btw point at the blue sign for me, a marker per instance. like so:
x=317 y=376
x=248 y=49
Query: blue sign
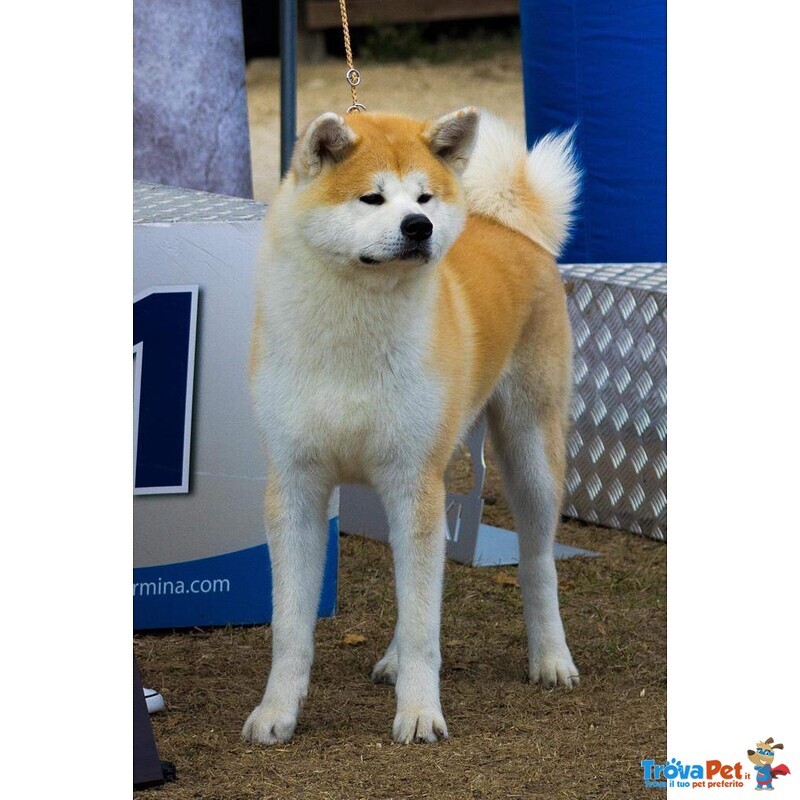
x=214 y=591
x=164 y=335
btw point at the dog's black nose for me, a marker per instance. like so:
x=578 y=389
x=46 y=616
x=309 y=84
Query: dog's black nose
x=417 y=227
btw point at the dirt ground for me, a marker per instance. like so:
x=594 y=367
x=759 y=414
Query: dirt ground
x=507 y=738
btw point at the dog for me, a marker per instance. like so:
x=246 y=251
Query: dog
x=407 y=282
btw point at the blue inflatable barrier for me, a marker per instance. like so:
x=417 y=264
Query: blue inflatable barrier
x=602 y=64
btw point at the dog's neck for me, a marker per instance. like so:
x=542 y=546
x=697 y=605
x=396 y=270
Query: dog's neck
x=365 y=310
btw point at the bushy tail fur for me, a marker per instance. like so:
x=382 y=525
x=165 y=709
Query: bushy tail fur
x=533 y=193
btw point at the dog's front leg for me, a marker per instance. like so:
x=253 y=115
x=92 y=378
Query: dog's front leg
x=296 y=517
x=417 y=535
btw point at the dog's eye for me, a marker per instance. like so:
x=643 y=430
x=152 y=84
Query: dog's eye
x=372 y=199
x=423 y=198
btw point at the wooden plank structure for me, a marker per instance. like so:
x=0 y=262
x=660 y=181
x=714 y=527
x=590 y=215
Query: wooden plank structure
x=323 y=14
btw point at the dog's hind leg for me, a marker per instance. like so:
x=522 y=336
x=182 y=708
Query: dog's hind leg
x=297 y=527
x=528 y=428
x=385 y=671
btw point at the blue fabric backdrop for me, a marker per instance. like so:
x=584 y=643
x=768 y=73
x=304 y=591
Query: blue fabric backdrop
x=602 y=64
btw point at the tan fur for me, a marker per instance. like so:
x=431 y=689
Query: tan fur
x=387 y=143
x=501 y=293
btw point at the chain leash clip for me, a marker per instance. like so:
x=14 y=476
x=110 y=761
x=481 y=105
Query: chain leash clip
x=352 y=76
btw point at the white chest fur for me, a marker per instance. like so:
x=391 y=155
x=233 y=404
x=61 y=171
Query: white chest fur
x=344 y=377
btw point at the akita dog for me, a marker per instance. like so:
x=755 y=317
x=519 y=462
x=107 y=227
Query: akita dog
x=407 y=283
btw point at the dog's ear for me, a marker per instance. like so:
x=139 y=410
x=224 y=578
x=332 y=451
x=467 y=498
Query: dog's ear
x=452 y=137
x=327 y=139
x=777 y=747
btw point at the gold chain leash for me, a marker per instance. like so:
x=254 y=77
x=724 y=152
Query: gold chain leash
x=353 y=76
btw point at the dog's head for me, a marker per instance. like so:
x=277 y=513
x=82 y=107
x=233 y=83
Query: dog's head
x=764 y=753
x=378 y=192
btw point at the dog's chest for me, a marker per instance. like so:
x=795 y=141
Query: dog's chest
x=353 y=390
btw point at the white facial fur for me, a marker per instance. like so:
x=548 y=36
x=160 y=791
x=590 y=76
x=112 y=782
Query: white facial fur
x=363 y=236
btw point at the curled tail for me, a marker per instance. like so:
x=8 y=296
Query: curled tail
x=531 y=192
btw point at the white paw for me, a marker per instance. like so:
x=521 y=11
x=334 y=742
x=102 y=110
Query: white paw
x=419 y=725
x=554 y=668
x=385 y=671
x=270 y=724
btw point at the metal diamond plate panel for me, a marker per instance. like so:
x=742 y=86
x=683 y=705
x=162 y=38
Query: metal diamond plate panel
x=153 y=204
x=617 y=472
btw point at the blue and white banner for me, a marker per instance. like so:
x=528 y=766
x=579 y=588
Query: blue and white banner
x=220 y=589
x=200 y=473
